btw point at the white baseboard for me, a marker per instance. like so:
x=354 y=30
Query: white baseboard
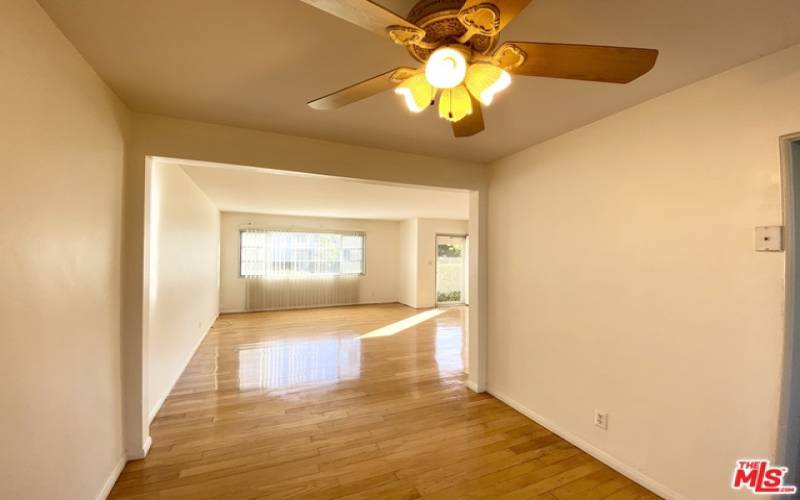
x=160 y=402
x=140 y=454
x=112 y=479
x=616 y=464
x=154 y=409
x=473 y=386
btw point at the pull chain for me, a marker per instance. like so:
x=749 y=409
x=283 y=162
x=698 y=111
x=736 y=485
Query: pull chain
x=450 y=114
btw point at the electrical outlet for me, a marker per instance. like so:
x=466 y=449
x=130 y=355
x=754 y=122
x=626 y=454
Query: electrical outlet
x=601 y=419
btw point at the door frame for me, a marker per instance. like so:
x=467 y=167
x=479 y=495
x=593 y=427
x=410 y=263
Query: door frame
x=464 y=258
x=788 y=443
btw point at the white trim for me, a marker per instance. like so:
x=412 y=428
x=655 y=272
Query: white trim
x=613 y=462
x=786 y=421
x=140 y=454
x=112 y=479
x=154 y=410
x=473 y=386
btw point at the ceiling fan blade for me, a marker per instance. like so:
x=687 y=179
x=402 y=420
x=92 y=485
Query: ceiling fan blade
x=362 y=90
x=489 y=17
x=575 y=62
x=470 y=124
x=372 y=17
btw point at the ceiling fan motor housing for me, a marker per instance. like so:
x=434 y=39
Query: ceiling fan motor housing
x=439 y=19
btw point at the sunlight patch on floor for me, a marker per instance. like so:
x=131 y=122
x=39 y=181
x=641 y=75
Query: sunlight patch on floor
x=394 y=328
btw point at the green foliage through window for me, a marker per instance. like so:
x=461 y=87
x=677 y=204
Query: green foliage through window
x=449 y=251
x=454 y=296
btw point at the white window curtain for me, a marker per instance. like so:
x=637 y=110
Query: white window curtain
x=295 y=269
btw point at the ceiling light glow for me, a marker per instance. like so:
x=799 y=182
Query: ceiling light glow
x=446 y=68
x=417 y=92
x=485 y=80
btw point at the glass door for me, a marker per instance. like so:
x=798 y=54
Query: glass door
x=451 y=269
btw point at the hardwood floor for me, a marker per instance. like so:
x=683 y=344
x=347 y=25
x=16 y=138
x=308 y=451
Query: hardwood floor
x=350 y=402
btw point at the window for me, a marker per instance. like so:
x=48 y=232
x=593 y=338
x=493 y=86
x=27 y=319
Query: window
x=288 y=253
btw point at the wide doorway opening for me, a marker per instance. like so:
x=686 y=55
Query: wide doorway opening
x=346 y=265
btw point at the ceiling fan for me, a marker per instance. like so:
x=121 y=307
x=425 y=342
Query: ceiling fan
x=455 y=42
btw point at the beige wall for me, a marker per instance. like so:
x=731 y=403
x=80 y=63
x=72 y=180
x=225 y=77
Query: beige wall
x=183 y=276
x=378 y=284
x=409 y=260
x=623 y=278
x=478 y=324
x=61 y=149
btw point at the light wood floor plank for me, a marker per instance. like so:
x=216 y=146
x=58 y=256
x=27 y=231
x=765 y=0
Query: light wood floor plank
x=305 y=404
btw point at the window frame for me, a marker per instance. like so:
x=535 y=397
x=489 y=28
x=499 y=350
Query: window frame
x=340 y=232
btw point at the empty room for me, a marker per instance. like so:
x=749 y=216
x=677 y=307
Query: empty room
x=372 y=249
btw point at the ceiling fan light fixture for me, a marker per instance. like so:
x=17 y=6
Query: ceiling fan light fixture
x=417 y=93
x=485 y=81
x=447 y=36
x=446 y=68
x=455 y=104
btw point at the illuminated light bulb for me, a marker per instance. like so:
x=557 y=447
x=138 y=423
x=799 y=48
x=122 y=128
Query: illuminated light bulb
x=446 y=68
x=484 y=81
x=455 y=104
x=417 y=92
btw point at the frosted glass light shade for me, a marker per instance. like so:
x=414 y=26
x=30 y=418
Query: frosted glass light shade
x=416 y=92
x=455 y=103
x=485 y=80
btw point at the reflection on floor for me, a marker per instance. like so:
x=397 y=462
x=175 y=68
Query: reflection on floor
x=350 y=402
x=278 y=364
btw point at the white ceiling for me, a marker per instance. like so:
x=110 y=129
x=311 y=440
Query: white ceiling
x=254 y=190
x=254 y=63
